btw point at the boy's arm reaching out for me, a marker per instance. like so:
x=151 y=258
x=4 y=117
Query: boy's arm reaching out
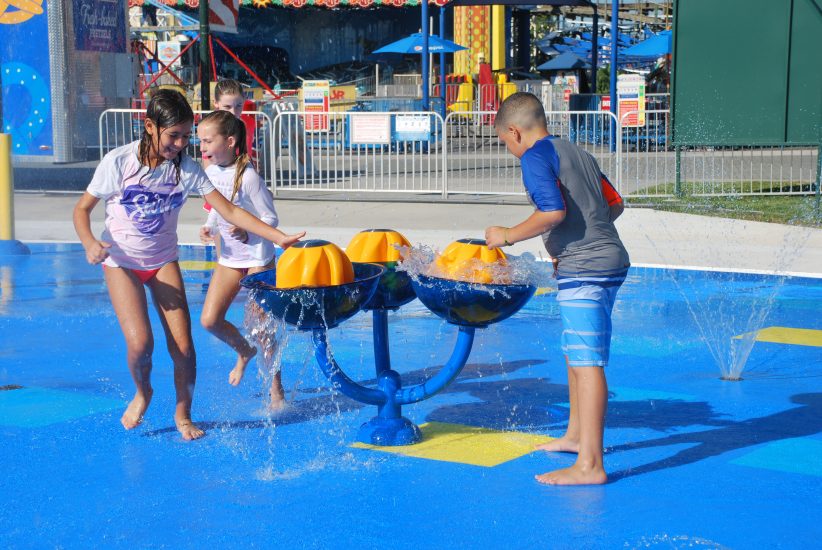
x=536 y=224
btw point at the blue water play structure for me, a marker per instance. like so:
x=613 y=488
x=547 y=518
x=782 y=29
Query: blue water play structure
x=380 y=289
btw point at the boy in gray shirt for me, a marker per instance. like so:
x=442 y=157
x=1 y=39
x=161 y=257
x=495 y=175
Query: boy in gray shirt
x=576 y=206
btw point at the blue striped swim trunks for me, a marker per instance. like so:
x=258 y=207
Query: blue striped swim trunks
x=585 y=305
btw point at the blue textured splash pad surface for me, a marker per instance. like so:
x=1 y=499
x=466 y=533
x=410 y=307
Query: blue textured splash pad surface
x=694 y=461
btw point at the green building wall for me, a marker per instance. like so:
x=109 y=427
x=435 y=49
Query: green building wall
x=747 y=72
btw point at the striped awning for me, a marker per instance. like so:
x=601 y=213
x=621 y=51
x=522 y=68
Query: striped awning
x=303 y=3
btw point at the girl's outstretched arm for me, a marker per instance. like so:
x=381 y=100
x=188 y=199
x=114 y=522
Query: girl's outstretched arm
x=96 y=251
x=241 y=218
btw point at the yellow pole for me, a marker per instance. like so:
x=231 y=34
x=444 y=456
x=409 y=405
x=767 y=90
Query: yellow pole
x=6 y=190
x=498 y=53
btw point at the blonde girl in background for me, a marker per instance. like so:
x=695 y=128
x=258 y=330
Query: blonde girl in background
x=223 y=145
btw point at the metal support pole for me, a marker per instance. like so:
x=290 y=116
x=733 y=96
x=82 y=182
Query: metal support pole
x=678 y=181
x=205 y=79
x=61 y=115
x=442 y=64
x=594 y=51
x=614 y=58
x=382 y=355
x=426 y=103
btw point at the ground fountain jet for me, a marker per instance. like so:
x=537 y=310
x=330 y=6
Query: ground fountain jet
x=377 y=286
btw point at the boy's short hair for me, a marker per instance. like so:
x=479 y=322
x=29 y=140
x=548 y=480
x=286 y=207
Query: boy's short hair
x=227 y=87
x=522 y=109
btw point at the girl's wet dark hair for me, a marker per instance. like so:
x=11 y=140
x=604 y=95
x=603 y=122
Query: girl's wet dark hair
x=227 y=125
x=167 y=108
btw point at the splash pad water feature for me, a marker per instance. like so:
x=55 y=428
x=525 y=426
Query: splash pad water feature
x=376 y=285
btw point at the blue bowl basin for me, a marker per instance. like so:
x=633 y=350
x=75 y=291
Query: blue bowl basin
x=471 y=304
x=314 y=307
x=394 y=289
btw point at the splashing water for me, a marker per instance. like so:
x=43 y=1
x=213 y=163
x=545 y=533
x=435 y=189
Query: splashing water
x=730 y=315
x=518 y=270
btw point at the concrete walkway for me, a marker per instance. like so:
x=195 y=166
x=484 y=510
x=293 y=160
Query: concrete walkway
x=652 y=237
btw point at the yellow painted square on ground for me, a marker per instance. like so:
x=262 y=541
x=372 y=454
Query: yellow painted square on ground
x=197 y=265
x=786 y=335
x=544 y=290
x=466 y=444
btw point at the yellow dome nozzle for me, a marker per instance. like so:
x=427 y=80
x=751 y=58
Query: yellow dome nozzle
x=314 y=263
x=376 y=245
x=470 y=260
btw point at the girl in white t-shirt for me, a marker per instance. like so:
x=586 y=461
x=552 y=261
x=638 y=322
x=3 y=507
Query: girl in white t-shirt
x=224 y=148
x=144 y=184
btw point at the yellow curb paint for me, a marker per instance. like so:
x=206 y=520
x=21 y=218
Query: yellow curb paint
x=544 y=290
x=786 y=335
x=466 y=444
x=197 y=265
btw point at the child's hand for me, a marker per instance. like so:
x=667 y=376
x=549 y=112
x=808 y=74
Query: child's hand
x=205 y=235
x=239 y=234
x=555 y=262
x=288 y=240
x=97 y=252
x=495 y=237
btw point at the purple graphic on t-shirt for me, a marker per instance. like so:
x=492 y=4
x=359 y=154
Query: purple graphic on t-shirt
x=147 y=209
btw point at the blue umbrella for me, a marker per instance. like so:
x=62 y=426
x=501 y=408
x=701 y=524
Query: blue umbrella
x=413 y=44
x=656 y=46
x=564 y=62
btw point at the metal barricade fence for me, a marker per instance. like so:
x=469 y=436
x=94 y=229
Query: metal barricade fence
x=652 y=167
x=749 y=170
x=648 y=164
x=118 y=127
x=358 y=152
x=477 y=162
x=420 y=153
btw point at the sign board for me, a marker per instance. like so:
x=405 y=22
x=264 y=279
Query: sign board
x=343 y=98
x=168 y=51
x=370 y=129
x=569 y=84
x=412 y=127
x=631 y=99
x=605 y=103
x=99 y=25
x=315 y=99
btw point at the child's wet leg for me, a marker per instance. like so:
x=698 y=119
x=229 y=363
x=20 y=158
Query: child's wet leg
x=277 y=393
x=169 y=297
x=569 y=442
x=128 y=298
x=223 y=288
x=592 y=395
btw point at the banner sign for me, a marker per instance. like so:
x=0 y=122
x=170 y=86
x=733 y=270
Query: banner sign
x=223 y=14
x=412 y=127
x=315 y=97
x=371 y=129
x=99 y=26
x=168 y=51
x=631 y=97
x=25 y=77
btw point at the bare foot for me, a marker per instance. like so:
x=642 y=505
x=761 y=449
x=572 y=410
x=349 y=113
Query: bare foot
x=575 y=475
x=278 y=402
x=562 y=445
x=136 y=409
x=238 y=371
x=189 y=429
